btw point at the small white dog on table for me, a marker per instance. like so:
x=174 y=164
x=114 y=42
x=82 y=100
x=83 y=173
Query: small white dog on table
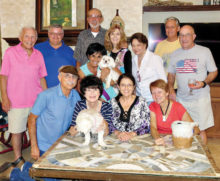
x=89 y=120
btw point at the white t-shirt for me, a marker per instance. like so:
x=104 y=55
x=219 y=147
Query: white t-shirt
x=95 y=34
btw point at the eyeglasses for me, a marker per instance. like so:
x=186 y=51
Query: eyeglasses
x=55 y=34
x=186 y=35
x=94 y=16
x=126 y=85
x=91 y=89
x=138 y=76
x=69 y=76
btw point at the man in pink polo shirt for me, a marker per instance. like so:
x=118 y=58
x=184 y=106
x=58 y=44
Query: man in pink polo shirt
x=21 y=80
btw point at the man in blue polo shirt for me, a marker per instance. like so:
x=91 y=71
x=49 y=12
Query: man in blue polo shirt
x=55 y=53
x=50 y=117
x=52 y=112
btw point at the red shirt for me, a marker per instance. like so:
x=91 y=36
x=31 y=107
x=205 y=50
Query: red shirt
x=176 y=113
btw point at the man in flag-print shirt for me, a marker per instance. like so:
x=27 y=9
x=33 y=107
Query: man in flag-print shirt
x=193 y=61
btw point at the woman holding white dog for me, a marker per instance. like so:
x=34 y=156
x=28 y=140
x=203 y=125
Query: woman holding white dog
x=164 y=112
x=91 y=88
x=115 y=41
x=94 y=53
x=131 y=115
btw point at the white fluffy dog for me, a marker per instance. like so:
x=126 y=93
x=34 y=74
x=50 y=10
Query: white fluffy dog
x=108 y=62
x=90 y=121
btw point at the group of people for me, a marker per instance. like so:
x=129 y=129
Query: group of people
x=145 y=102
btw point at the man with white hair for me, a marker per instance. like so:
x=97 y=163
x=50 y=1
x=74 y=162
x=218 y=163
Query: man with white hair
x=50 y=117
x=95 y=34
x=21 y=80
x=53 y=110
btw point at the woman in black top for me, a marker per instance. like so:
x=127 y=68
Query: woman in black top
x=131 y=115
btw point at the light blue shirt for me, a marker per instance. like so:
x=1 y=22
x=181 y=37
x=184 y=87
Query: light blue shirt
x=110 y=91
x=54 y=111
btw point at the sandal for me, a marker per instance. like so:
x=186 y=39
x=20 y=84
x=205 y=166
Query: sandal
x=16 y=162
x=5 y=166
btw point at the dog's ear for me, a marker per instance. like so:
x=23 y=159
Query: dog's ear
x=112 y=62
x=101 y=63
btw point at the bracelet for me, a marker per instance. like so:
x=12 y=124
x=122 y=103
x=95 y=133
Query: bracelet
x=204 y=84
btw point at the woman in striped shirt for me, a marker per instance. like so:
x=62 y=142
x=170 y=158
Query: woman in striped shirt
x=91 y=88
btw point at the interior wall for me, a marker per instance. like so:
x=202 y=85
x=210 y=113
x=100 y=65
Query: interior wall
x=183 y=16
x=129 y=10
x=14 y=15
x=19 y=13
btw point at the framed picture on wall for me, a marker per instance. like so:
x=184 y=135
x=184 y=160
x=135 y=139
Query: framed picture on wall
x=71 y=14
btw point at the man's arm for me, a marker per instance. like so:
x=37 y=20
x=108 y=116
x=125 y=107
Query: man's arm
x=6 y=104
x=78 y=51
x=211 y=76
x=78 y=64
x=171 y=80
x=35 y=152
x=43 y=83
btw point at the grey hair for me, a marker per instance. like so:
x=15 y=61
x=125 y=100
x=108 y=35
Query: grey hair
x=172 y=18
x=96 y=9
x=27 y=27
x=55 y=26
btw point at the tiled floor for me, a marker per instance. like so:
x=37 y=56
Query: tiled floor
x=213 y=145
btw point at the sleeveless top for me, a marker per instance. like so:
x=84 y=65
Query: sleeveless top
x=107 y=94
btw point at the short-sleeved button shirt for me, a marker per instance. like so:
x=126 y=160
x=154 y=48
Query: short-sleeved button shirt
x=54 y=111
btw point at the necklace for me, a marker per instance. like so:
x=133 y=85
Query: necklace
x=164 y=114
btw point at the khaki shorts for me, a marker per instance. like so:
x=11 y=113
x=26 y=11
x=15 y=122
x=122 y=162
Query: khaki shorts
x=200 y=111
x=17 y=120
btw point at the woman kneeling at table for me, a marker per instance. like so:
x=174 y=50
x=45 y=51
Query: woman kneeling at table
x=164 y=112
x=131 y=115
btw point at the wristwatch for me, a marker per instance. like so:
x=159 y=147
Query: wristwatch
x=204 y=84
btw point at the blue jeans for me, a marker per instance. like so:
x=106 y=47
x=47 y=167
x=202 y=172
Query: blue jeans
x=18 y=175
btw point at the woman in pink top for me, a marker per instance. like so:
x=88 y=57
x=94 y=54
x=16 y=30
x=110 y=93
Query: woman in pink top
x=164 y=112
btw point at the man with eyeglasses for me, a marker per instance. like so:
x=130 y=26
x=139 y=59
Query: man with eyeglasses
x=52 y=112
x=196 y=62
x=95 y=34
x=55 y=54
x=50 y=117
